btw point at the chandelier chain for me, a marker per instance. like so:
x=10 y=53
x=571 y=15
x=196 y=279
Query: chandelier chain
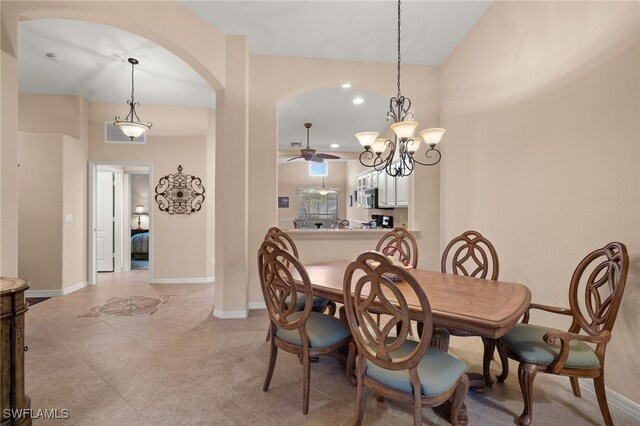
x=399 y=57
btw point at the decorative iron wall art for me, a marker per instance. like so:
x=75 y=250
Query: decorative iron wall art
x=179 y=193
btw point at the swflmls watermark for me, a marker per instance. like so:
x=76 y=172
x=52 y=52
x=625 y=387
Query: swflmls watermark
x=39 y=413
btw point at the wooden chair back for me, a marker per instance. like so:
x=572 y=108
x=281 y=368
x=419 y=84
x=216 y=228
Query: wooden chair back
x=399 y=243
x=275 y=266
x=471 y=250
x=300 y=224
x=282 y=239
x=368 y=287
x=596 y=289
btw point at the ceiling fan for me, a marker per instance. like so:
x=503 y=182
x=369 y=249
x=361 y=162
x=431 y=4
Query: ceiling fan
x=309 y=154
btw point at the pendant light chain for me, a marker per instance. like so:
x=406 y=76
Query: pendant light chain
x=132 y=67
x=399 y=57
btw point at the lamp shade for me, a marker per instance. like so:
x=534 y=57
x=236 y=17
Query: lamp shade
x=140 y=209
x=432 y=136
x=133 y=130
x=366 y=139
x=404 y=129
x=413 y=144
x=379 y=145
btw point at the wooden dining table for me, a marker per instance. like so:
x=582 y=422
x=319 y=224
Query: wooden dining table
x=483 y=307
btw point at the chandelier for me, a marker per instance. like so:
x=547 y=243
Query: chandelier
x=380 y=153
x=129 y=127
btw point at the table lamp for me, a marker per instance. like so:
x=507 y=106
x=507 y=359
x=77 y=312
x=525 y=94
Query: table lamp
x=140 y=210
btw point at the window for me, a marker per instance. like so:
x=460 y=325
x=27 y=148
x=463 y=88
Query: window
x=315 y=207
x=318 y=169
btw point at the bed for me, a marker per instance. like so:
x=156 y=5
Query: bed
x=140 y=246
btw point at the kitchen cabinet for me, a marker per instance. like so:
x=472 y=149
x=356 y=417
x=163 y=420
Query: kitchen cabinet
x=392 y=192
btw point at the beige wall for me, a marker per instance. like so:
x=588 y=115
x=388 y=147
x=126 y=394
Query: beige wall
x=273 y=79
x=295 y=175
x=74 y=203
x=178 y=137
x=541 y=106
x=40 y=228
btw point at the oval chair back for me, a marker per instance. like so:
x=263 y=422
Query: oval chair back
x=275 y=267
x=282 y=239
x=471 y=255
x=369 y=286
x=596 y=289
x=401 y=244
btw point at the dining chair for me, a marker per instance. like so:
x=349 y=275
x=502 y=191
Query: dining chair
x=396 y=367
x=302 y=332
x=339 y=224
x=400 y=244
x=595 y=293
x=472 y=255
x=284 y=241
x=300 y=224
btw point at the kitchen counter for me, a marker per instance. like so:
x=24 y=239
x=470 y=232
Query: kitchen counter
x=316 y=245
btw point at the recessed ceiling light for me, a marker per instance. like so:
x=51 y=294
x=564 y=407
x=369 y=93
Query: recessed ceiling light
x=346 y=85
x=335 y=145
x=358 y=101
x=54 y=57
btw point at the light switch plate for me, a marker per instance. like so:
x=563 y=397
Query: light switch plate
x=68 y=218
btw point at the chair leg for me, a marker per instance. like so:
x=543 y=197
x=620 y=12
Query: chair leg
x=526 y=374
x=306 y=373
x=342 y=313
x=350 y=361
x=575 y=386
x=268 y=335
x=361 y=398
x=504 y=360
x=489 y=348
x=417 y=412
x=598 y=384
x=272 y=364
x=457 y=410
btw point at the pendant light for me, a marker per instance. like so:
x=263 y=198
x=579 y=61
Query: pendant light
x=129 y=127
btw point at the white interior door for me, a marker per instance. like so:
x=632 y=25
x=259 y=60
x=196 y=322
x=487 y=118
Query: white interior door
x=104 y=222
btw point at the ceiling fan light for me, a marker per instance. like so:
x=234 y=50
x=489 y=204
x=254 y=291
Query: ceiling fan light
x=367 y=139
x=432 y=136
x=404 y=129
x=133 y=130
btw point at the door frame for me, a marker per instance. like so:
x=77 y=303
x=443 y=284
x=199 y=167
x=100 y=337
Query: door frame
x=124 y=206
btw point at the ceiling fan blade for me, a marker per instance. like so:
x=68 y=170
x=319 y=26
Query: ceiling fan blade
x=328 y=156
x=315 y=159
x=295 y=158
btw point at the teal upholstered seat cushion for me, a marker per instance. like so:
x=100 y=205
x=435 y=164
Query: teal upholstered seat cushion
x=319 y=304
x=438 y=371
x=323 y=330
x=526 y=341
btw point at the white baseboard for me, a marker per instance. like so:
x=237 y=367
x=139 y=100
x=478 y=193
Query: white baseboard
x=196 y=280
x=55 y=293
x=218 y=313
x=614 y=398
x=257 y=305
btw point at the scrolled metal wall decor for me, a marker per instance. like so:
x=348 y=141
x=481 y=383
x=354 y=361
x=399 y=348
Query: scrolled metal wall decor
x=179 y=193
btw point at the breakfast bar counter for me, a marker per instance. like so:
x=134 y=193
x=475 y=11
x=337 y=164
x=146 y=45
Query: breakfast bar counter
x=315 y=245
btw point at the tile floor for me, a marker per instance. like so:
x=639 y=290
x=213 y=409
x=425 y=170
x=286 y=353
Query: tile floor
x=179 y=365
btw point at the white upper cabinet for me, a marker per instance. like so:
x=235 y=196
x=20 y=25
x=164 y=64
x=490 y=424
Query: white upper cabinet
x=382 y=188
x=402 y=191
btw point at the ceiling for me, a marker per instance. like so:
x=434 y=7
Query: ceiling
x=93 y=57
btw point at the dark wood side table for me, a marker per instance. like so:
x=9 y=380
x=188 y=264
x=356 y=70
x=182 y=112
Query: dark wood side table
x=12 y=310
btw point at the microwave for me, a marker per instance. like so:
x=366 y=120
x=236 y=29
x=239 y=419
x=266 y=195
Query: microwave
x=370 y=200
